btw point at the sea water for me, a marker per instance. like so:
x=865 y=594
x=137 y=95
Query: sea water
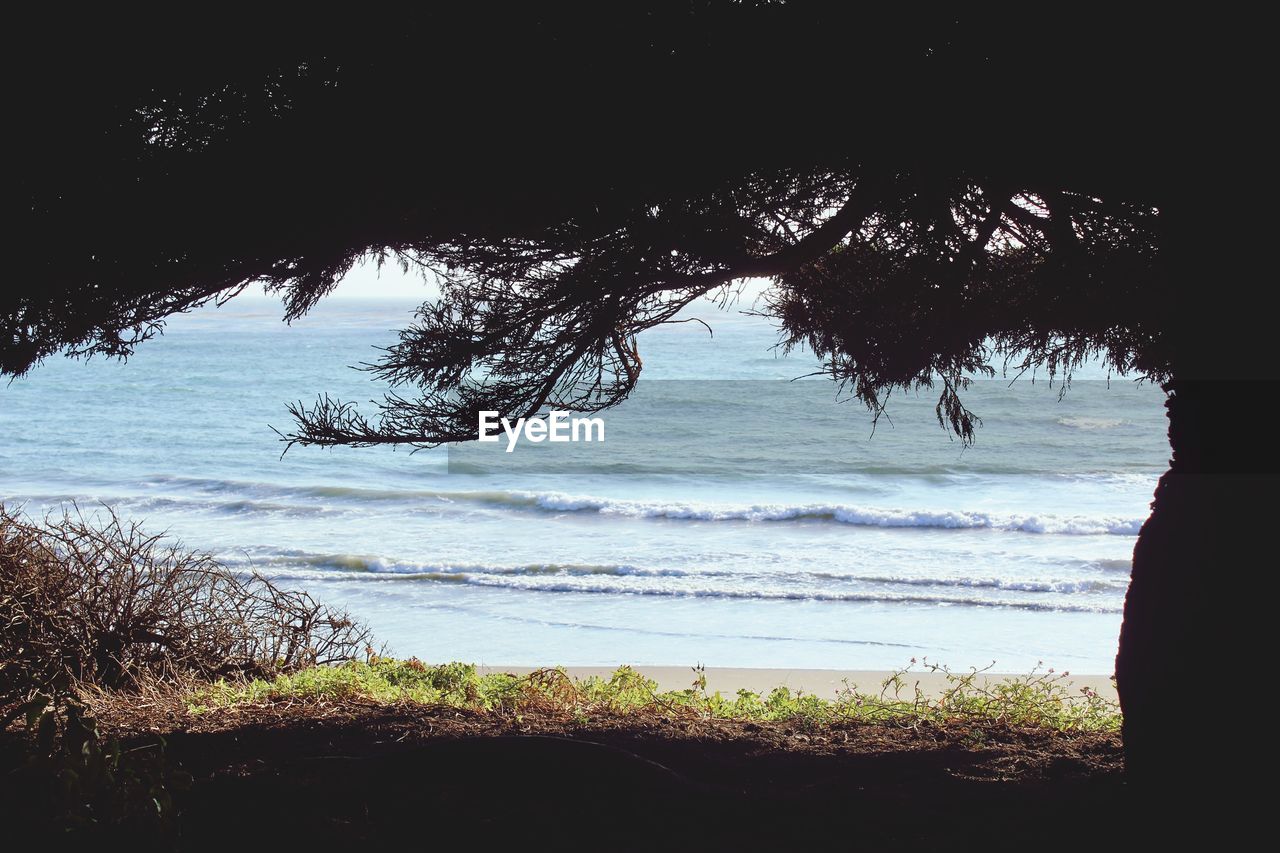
x=736 y=514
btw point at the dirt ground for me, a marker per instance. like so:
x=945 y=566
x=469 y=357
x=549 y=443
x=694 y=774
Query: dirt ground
x=291 y=776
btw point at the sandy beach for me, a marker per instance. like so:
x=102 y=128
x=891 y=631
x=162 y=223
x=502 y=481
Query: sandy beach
x=820 y=682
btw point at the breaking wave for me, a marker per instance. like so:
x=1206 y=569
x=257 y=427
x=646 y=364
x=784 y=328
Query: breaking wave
x=611 y=579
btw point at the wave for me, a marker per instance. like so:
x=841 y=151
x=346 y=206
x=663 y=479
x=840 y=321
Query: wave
x=777 y=595
x=844 y=514
x=614 y=579
x=527 y=584
x=559 y=502
x=1092 y=423
x=383 y=565
x=229 y=507
x=148 y=504
x=278 y=490
x=1065 y=587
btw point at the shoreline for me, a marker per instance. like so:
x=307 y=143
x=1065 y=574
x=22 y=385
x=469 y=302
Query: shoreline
x=825 y=683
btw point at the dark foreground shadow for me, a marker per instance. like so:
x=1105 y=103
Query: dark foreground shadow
x=419 y=782
x=575 y=794
x=424 y=779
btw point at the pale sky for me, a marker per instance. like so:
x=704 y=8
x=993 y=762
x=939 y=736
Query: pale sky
x=366 y=281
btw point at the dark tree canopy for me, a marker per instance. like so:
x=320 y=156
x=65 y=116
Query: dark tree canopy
x=919 y=190
x=895 y=280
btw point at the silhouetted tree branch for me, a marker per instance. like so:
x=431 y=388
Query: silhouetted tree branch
x=907 y=284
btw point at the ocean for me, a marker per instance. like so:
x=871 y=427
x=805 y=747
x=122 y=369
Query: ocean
x=735 y=515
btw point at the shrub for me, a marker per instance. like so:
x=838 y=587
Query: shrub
x=96 y=600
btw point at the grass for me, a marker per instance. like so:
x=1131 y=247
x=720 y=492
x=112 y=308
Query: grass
x=1039 y=699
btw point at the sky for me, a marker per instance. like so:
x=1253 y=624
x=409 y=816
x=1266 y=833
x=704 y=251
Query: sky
x=366 y=281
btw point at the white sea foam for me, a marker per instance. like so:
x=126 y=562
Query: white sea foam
x=1092 y=423
x=844 y=514
x=778 y=577
x=312 y=500
x=1082 y=596
x=529 y=584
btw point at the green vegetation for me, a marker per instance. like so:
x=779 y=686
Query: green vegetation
x=1042 y=699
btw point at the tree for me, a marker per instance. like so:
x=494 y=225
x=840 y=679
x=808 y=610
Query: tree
x=924 y=193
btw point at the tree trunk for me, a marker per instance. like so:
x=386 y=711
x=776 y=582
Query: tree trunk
x=1188 y=635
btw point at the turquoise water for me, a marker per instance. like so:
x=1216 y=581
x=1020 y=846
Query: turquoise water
x=731 y=517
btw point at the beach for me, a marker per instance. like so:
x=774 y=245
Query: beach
x=824 y=683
